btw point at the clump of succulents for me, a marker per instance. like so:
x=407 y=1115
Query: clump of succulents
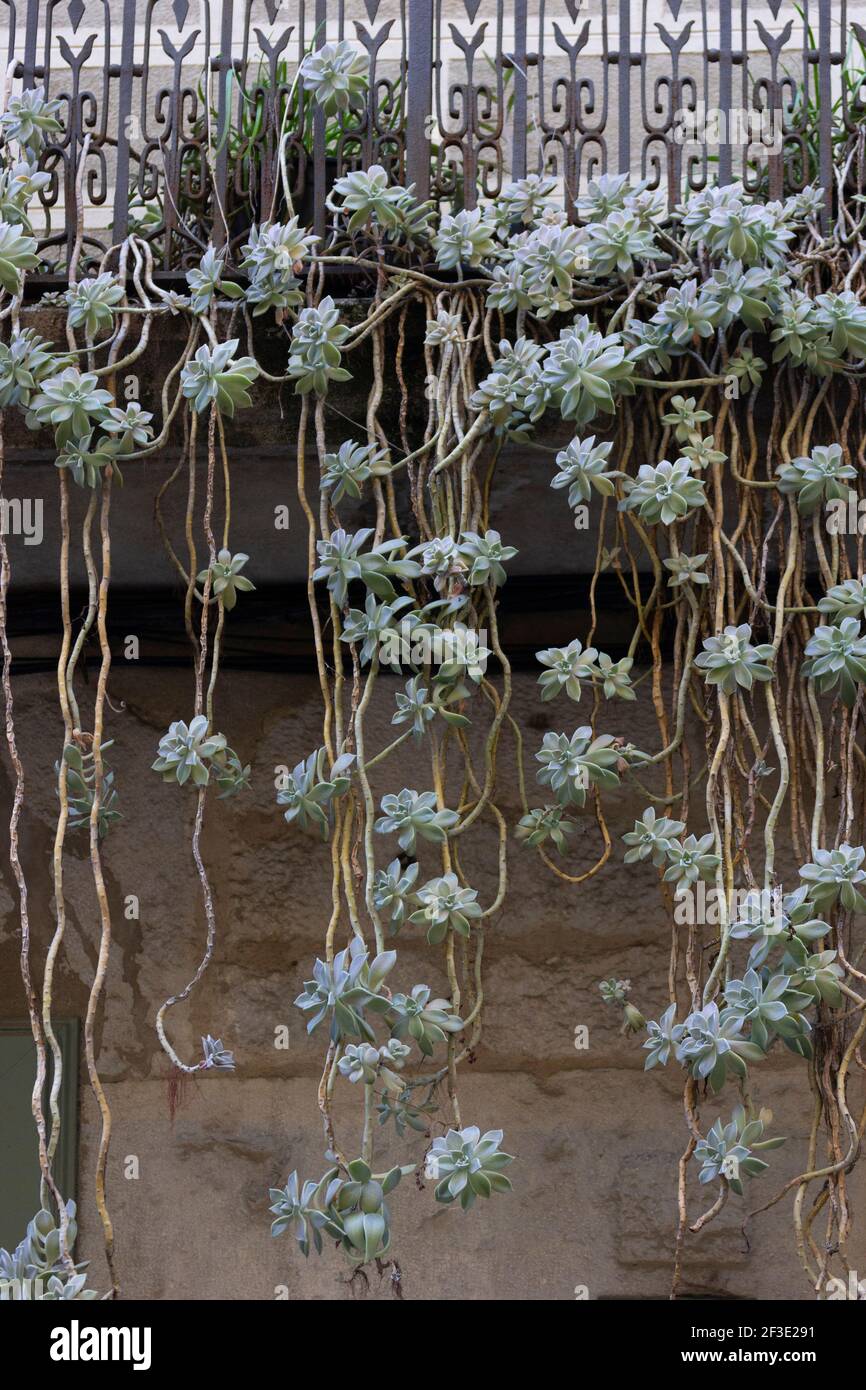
x=426 y=1021
x=664 y=492
x=309 y=789
x=342 y=559
x=710 y=1045
x=571 y=764
x=215 y=1057
x=583 y=369
x=344 y=473
x=845 y=600
x=833 y=877
x=191 y=753
x=736 y=274
x=30 y=116
x=71 y=402
x=567 y=666
x=92 y=302
x=336 y=76
x=730 y=660
x=468 y=1164
x=412 y=815
x=214 y=376
x=226 y=578
x=273 y=255
x=35 y=1271
x=583 y=468
x=25 y=361
x=653 y=838
x=464 y=238
x=81 y=790
x=446 y=906
x=729 y=1151
x=345 y=989
x=686 y=569
x=823 y=476
x=314 y=355
x=836 y=657
x=394 y=892
x=545 y=823
x=485 y=557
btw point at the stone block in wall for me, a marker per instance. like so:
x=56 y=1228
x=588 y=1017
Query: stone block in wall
x=646 y=1216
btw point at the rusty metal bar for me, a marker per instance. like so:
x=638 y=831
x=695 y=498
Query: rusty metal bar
x=419 y=95
x=124 y=118
x=320 y=190
x=518 y=152
x=726 y=83
x=624 y=87
x=221 y=163
x=825 y=127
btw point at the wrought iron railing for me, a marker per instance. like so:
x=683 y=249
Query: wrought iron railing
x=177 y=115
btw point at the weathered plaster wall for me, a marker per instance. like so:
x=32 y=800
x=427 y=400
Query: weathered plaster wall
x=596 y=1140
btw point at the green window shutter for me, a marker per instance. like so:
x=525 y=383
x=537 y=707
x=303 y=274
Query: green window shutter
x=19 y=1149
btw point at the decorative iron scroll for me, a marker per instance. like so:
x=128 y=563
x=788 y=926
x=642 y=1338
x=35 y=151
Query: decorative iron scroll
x=189 y=121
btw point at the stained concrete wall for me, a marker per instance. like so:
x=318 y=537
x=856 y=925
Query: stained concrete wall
x=596 y=1140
